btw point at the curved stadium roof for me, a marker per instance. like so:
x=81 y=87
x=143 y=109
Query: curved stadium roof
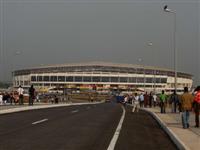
x=98 y=66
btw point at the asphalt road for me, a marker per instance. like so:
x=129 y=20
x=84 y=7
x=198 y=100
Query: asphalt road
x=86 y=127
x=141 y=132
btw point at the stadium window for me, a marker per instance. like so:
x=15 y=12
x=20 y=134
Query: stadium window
x=96 y=79
x=78 y=79
x=140 y=80
x=26 y=82
x=132 y=80
x=157 y=80
x=148 y=86
x=123 y=79
x=149 y=71
x=33 y=78
x=35 y=84
x=46 y=78
x=163 y=80
x=61 y=78
x=149 y=80
x=105 y=79
x=69 y=78
x=39 y=78
x=132 y=70
x=53 y=78
x=114 y=79
x=140 y=70
x=87 y=79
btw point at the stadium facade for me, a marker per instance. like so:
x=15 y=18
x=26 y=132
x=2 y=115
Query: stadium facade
x=102 y=76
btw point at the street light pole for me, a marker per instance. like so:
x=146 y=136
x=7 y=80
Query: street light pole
x=140 y=60
x=166 y=9
x=13 y=70
x=154 y=86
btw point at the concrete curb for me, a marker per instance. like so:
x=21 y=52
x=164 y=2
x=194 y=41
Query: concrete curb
x=171 y=134
x=26 y=108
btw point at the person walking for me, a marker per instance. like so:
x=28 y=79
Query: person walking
x=141 y=99
x=135 y=103
x=150 y=99
x=174 y=100
x=163 y=100
x=146 y=98
x=56 y=99
x=154 y=99
x=186 y=106
x=126 y=98
x=20 y=91
x=31 y=95
x=196 y=106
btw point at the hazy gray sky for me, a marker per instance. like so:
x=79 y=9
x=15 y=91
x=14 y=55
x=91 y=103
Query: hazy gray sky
x=63 y=31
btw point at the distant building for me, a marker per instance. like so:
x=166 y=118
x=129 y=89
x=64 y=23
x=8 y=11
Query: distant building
x=101 y=76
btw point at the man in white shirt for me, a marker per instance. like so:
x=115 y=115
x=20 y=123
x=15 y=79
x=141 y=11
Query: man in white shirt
x=141 y=100
x=125 y=99
x=20 y=91
x=135 y=103
x=154 y=100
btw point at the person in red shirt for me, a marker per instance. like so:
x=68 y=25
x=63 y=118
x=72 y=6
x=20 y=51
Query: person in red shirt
x=196 y=106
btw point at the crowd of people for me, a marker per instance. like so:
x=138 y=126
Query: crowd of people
x=17 y=97
x=6 y=97
x=184 y=103
x=141 y=99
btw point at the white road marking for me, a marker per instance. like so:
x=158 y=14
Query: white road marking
x=40 y=121
x=117 y=132
x=75 y=111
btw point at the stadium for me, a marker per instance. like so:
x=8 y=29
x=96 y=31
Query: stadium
x=101 y=76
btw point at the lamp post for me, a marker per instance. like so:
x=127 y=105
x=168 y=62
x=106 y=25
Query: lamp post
x=150 y=44
x=166 y=9
x=42 y=80
x=2 y=37
x=140 y=60
x=13 y=74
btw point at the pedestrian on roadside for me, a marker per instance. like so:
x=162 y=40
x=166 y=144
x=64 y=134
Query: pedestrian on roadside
x=154 y=99
x=186 y=101
x=130 y=99
x=8 y=97
x=196 y=106
x=163 y=100
x=174 y=100
x=141 y=99
x=56 y=99
x=11 y=98
x=135 y=103
x=126 y=98
x=146 y=98
x=150 y=99
x=31 y=95
x=20 y=91
x=4 y=98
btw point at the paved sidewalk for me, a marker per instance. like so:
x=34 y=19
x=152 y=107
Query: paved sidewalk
x=190 y=138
